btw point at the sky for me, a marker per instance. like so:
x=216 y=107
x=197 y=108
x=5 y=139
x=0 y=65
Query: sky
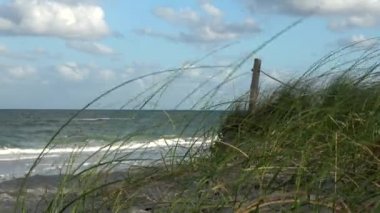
x=61 y=54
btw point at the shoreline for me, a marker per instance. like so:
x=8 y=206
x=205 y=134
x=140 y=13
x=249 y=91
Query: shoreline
x=37 y=188
x=40 y=188
x=15 y=163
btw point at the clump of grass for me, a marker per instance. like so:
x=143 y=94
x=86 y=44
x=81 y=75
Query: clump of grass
x=316 y=138
x=310 y=145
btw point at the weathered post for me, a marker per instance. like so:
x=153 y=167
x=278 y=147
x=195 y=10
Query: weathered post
x=254 y=93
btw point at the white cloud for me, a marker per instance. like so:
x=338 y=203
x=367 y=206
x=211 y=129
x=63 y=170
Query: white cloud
x=192 y=72
x=323 y=7
x=91 y=47
x=182 y=16
x=107 y=75
x=342 y=14
x=354 y=21
x=5 y=52
x=73 y=72
x=211 y=10
x=21 y=72
x=201 y=29
x=359 y=40
x=42 y=54
x=53 y=18
x=3 y=49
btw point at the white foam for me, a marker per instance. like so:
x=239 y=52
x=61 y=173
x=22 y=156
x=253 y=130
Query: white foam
x=101 y=119
x=7 y=154
x=20 y=157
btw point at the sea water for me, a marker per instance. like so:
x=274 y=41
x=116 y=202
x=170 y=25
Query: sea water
x=96 y=136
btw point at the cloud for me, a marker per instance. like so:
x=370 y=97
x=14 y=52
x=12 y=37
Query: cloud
x=182 y=16
x=5 y=52
x=63 y=19
x=284 y=75
x=354 y=21
x=211 y=10
x=197 y=28
x=21 y=72
x=29 y=55
x=91 y=47
x=3 y=49
x=73 y=72
x=40 y=53
x=359 y=40
x=342 y=14
x=107 y=75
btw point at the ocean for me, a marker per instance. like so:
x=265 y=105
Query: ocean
x=136 y=137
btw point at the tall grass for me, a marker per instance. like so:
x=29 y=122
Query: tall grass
x=311 y=144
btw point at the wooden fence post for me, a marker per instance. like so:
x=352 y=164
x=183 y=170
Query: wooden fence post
x=254 y=92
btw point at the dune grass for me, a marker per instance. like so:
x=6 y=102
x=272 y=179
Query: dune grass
x=311 y=144
x=316 y=147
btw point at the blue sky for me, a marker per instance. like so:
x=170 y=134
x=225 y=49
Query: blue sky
x=63 y=53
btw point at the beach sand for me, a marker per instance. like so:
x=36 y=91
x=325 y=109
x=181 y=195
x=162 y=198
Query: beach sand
x=41 y=189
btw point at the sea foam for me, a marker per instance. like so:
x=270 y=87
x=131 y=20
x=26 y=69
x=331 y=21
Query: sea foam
x=7 y=154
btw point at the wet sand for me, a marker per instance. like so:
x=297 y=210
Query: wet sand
x=39 y=190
